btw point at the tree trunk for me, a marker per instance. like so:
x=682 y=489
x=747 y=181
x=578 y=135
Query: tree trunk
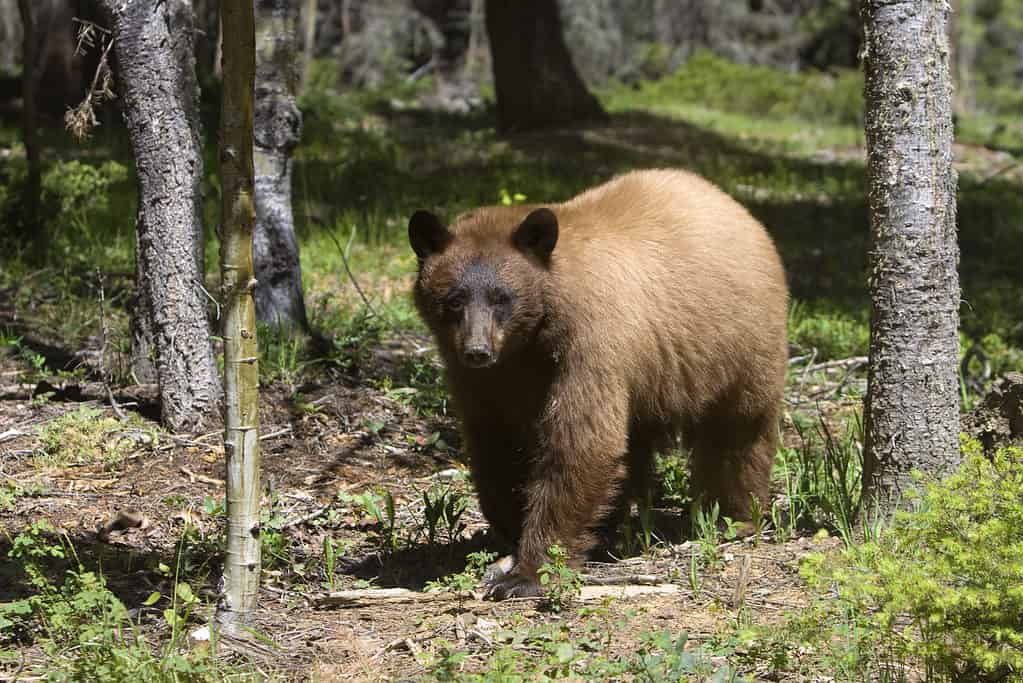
x=11 y=36
x=34 y=229
x=278 y=125
x=241 y=354
x=159 y=97
x=536 y=83
x=309 y=15
x=912 y=402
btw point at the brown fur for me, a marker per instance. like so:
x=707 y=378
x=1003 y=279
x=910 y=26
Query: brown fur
x=660 y=312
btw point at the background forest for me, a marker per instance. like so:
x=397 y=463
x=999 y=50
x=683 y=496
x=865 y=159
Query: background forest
x=112 y=526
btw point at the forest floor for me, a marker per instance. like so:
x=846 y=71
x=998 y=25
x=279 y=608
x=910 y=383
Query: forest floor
x=79 y=463
x=366 y=487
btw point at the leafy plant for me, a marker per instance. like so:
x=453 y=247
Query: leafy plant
x=467 y=579
x=84 y=630
x=381 y=509
x=822 y=478
x=561 y=583
x=943 y=584
x=443 y=505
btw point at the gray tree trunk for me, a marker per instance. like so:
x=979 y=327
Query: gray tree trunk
x=159 y=97
x=10 y=36
x=536 y=82
x=912 y=402
x=278 y=126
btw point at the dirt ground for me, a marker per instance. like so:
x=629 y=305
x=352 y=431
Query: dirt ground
x=322 y=439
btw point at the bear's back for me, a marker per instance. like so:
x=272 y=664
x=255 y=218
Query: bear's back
x=673 y=285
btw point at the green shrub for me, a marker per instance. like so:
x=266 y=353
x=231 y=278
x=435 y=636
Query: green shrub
x=717 y=83
x=944 y=584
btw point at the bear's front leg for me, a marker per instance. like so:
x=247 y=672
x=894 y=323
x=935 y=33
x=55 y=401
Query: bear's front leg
x=574 y=480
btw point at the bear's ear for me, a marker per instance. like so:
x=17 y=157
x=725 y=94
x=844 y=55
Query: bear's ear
x=538 y=234
x=427 y=234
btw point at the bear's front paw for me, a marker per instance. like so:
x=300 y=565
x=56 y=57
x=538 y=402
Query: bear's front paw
x=514 y=585
x=498 y=570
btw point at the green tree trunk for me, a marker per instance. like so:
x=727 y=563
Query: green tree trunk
x=241 y=354
x=912 y=401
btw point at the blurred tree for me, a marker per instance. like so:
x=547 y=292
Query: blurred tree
x=536 y=83
x=10 y=37
x=278 y=126
x=309 y=16
x=241 y=353
x=159 y=97
x=912 y=401
x=33 y=229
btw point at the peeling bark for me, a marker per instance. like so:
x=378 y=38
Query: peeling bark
x=912 y=402
x=159 y=96
x=278 y=126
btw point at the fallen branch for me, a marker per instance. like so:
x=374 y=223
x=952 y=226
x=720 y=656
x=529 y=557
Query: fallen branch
x=193 y=477
x=387 y=596
x=853 y=362
x=305 y=518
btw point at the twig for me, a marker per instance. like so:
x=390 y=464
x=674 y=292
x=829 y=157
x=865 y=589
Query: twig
x=365 y=300
x=193 y=477
x=348 y=269
x=853 y=362
x=273 y=435
x=628 y=580
x=305 y=518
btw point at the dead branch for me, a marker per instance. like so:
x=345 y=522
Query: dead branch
x=201 y=478
x=382 y=596
x=853 y=362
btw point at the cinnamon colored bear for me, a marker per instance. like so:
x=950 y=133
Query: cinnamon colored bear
x=579 y=338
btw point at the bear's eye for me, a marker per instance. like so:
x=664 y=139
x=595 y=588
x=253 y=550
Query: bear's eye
x=455 y=302
x=500 y=297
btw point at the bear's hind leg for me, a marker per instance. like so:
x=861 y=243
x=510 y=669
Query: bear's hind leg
x=731 y=463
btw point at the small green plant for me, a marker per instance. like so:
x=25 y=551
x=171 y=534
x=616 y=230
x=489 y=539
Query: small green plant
x=281 y=353
x=275 y=544
x=706 y=532
x=825 y=334
x=332 y=549
x=381 y=509
x=467 y=579
x=83 y=629
x=822 y=478
x=942 y=584
x=508 y=198
x=443 y=507
x=673 y=475
x=561 y=583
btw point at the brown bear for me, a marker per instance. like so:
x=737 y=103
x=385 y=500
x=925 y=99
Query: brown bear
x=579 y=338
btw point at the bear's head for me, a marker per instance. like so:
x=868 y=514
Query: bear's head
x=481 y=280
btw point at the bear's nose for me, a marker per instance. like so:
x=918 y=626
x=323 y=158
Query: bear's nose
x=478 y=356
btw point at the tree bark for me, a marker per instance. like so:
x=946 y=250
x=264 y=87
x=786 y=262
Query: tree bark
x=912 y=401
x=536 y=83
x=309 y=16
x=278 y=126
x=159 y=96
x=34 y=229
x=241 y=354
